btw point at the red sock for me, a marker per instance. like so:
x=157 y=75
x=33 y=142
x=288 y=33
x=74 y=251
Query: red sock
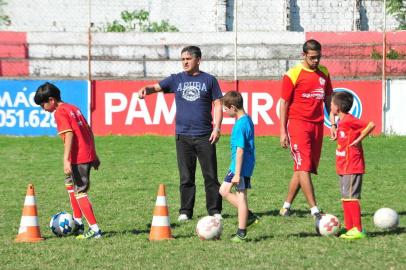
x=356 y=214
x=347 y=215
x=73 y=202
x=86 y=208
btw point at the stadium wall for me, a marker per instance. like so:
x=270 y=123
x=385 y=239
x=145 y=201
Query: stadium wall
x=194 y=16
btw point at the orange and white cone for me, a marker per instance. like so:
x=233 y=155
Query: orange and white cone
x=29 y=227
x=161 y=226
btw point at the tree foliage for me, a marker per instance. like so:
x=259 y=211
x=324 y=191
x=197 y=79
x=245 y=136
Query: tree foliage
x=138 y=21
x=397 y=8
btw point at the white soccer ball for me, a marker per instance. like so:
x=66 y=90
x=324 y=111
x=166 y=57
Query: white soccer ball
x=209 y=228
x=62 y=224
x=328 y=225
x=386 y=219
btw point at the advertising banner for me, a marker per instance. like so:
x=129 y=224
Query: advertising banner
x=117 y=110
x=20 y=116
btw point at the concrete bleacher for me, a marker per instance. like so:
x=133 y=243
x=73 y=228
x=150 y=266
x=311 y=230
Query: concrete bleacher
x=13 y=54
x=261 y=55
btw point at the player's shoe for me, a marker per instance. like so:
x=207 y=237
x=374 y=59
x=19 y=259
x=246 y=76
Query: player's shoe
x=183 y=218
x=354 y=234
x=90 y=234
x=218 y=216
x=342 y=231
x=285 y=212
x=252 y=219
x=238 y=238
x=79 y=229
x=317 y=215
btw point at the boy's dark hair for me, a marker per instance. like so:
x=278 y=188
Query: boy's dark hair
x=193 y=50
x=233 y=98
x=46 y=91
x=311 y=45
x=343 y=100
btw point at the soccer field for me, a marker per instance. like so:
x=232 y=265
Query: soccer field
x=124 y=191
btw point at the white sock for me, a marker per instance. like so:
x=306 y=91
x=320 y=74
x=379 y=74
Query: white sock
x=314 y=210
x=286 y=205
x=78 y=221
x=94 y=227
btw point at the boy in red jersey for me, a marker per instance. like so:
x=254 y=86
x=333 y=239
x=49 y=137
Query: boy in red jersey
x=78 y=158
x=350 y=163
x=306 y=89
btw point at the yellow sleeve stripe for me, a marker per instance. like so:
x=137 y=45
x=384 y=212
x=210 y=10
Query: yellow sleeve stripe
x=64 y=131
x=294 y=73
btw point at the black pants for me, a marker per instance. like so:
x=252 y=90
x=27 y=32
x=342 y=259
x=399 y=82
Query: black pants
x=188 y=150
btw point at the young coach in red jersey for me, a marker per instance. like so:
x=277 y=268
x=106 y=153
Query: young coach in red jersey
x=306 y=89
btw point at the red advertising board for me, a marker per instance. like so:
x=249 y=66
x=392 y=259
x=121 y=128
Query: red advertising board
x=117 y=110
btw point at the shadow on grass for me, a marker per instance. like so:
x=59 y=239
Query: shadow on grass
x=108 y=234
x=261 y=238
x=275 y=213
x=397 y=231
x=304 y=234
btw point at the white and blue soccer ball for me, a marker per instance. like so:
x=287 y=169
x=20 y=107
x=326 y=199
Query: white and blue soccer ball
x=209 y=228
x=62 y=224
x=386 y=219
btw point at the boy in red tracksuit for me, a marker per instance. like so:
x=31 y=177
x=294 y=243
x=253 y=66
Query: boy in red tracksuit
x=350 y=162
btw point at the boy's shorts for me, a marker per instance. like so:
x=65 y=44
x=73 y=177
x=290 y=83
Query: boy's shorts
x=80 y=177
x=306 y=139
x=350 y=185
x=245 y=181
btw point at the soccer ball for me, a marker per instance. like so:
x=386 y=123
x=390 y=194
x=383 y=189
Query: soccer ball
x=386 y=219
x=328 y=225
x=62 y=224
x=209 y=228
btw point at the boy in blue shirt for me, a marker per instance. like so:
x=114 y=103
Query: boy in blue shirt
x=242 y=164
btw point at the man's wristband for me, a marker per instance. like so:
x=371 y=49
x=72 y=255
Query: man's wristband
x=217 y=129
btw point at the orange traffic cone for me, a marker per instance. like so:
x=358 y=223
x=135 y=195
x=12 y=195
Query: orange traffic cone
x=29 y=227
x=161 y=226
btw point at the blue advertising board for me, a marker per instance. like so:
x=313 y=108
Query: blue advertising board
x=20 y=116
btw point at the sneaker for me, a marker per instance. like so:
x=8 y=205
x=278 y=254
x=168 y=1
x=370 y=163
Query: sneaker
x=90 y=234
x=285 y=212
x=317 y=215
x=354 y=234
x=79 y=229
x=218 y=216
x=342 y=231
x=252 y=219
x=183 y=218
x=238 y=239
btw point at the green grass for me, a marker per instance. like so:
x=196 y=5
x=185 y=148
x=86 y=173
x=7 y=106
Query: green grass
x=123 y=193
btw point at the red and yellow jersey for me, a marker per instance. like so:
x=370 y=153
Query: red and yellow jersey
x=69 y=118
x=349 y=159
x=305 y=91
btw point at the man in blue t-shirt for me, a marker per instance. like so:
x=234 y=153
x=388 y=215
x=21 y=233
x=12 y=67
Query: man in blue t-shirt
x=195 y=92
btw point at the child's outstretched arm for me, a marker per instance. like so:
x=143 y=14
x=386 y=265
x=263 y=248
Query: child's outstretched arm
x=364 y=133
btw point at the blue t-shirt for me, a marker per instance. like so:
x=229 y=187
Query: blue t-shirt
x=243 y=136
x=194 y=96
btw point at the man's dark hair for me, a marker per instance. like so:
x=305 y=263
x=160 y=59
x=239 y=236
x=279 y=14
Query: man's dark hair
x=311 y=45
x=193 y=50
x=233 y=98
x=343 y=100
x=46 y=91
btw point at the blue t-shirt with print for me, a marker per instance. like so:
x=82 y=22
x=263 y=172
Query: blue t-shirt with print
x=194 y=96
x=242 y=136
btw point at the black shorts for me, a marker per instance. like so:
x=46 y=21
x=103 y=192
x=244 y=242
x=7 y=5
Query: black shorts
x=80 y=178
x=245 y=181
x=350 y=186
